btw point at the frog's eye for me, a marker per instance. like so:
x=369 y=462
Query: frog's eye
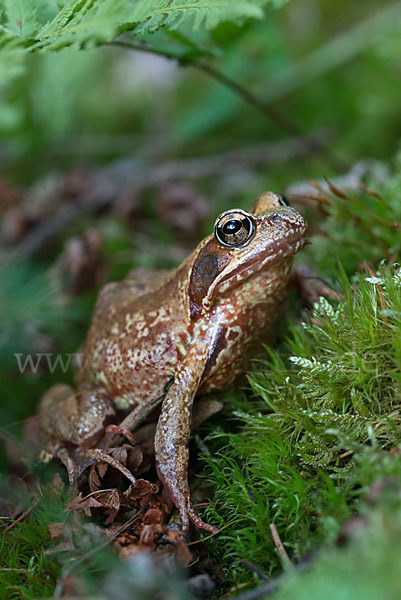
x=234 y=228
x=283 y=201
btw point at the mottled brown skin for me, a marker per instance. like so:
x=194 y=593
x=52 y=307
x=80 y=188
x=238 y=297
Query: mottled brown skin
x=168 y=337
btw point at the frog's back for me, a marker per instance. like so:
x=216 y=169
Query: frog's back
x=135 y=340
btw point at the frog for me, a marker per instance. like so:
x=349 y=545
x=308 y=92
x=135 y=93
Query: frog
x=162 y=338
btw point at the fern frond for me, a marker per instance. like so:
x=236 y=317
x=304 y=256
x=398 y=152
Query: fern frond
x=21 y=17
x=153 y=14
x=91 y=22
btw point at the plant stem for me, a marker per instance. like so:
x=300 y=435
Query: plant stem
x=267 y=110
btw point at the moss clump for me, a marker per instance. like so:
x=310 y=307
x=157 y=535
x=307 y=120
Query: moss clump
x=26 y=571
x=332 y=393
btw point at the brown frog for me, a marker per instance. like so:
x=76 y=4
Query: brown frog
x=166 y=337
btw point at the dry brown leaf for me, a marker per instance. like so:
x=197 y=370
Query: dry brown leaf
x=85 y=504
x=120 y=453
x=153 y=515
x=102 y=469
x=111 y=500
x=135 y=460
x=151 y=533
x=90 y=503
x=94 y=479
x=125 y=539
x=74 y=503
x=184 y=554
x=96 y=474
x=142 y=488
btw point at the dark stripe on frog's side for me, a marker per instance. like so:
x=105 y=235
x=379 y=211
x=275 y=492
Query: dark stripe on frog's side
x=210 y=263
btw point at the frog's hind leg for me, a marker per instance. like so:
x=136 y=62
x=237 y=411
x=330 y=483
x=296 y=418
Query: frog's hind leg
x=56 y=448
x=77 y=417
x=73 y=422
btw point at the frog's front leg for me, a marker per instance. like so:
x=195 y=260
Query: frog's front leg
x=172 y=436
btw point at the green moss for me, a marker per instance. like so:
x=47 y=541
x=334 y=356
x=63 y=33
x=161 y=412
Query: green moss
x=332 y=392
x=26 y=571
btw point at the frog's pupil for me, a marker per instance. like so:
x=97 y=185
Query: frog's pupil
x=232 y=226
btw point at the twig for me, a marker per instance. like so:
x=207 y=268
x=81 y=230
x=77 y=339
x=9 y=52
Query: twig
x=361 y=207
x=267 y=110
x=279 y=545
x=345 y=454
x=237 y=588
x=92 y=494
x=207 y=504
x=349 y=182
x=22 y=517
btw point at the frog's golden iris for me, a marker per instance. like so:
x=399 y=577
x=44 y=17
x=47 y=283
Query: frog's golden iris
x=234 y=228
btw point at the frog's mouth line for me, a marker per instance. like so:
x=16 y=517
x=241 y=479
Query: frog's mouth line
x=291 y=246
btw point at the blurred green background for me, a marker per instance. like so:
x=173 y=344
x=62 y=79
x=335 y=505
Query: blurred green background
x=326 y=66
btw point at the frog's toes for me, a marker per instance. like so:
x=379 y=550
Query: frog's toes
x=97 y=455
x=196 y=520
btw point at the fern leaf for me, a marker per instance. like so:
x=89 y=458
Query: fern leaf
x=57 y=25
x=21 y=17
x=153 y=13
x=89 y=23
x=85 y=22
x=96 y=21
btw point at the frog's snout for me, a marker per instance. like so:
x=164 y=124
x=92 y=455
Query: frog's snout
x=276 y=218
x=291 y=218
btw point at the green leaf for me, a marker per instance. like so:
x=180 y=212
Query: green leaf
x=61 y=20
x=21 y=17
x=82 y=22
x=153 y=14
